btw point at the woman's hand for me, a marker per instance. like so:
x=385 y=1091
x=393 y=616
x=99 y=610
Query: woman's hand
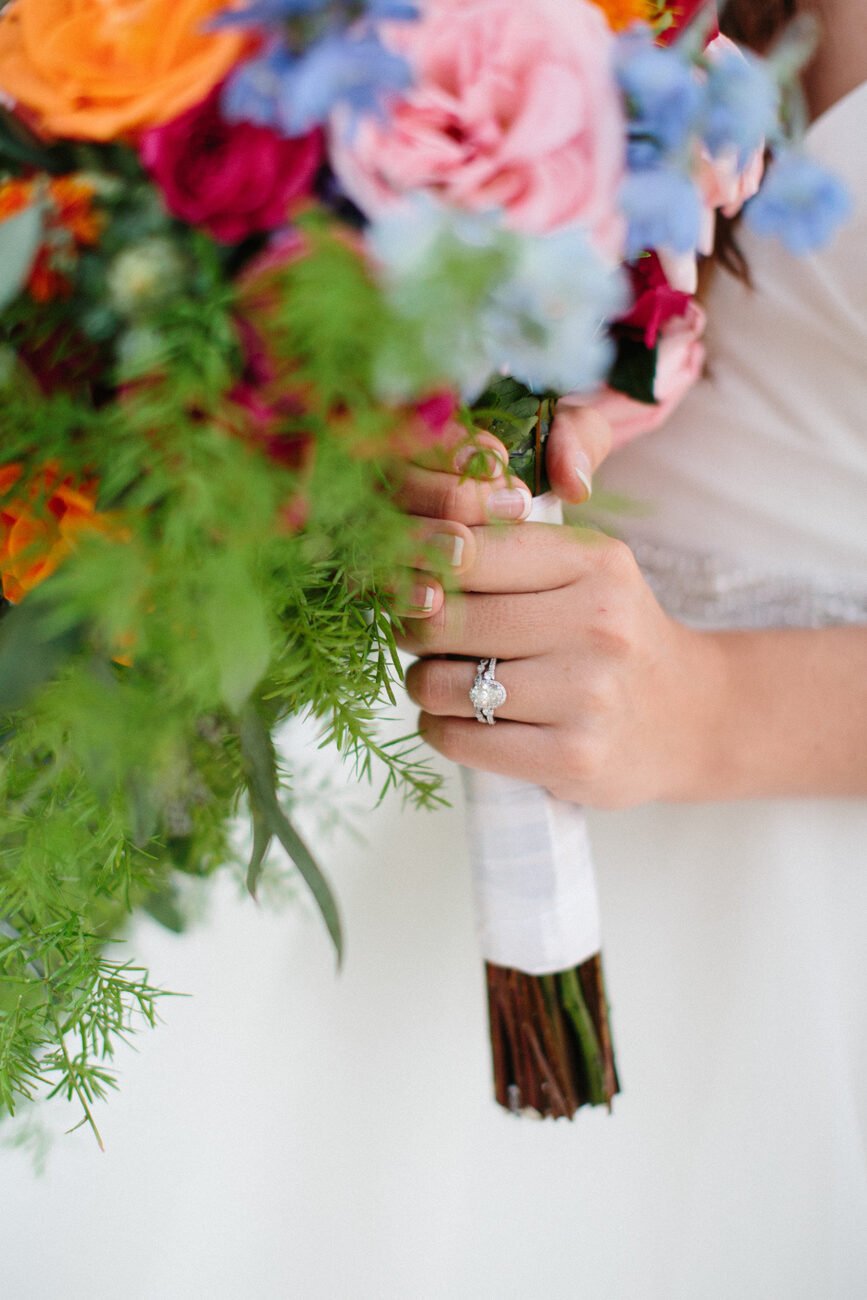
x=610 y=702
x=458 y=484
x=607 y=696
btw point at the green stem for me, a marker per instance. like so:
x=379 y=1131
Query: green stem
x=76 y=1087
x=582 y=1022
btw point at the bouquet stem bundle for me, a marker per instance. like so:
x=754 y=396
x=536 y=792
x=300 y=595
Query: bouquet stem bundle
x=551 y=1040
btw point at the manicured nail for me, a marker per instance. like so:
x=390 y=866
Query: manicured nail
x=451 y=545
x=481 y=462
x=584 y=470
x=422 y=597
x=510 y=503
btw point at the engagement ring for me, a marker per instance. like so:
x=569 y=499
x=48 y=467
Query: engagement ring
x=486 y=693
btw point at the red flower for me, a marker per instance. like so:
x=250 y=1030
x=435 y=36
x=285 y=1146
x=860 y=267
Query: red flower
x=655 y=300
x=232 y=178
x=683 y=12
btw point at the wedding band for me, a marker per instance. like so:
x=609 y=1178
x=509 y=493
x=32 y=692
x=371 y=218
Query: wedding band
x=486 y=693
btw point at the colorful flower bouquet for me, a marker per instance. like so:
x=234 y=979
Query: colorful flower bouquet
x=250 y=254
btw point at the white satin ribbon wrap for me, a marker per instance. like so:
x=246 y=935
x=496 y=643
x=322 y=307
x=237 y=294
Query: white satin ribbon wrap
x=537 y=908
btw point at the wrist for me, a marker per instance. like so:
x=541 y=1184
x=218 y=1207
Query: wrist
x=706 y=746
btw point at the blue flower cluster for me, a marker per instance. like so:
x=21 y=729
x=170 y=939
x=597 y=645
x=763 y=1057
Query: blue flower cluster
x=800 y=202
x=318 y=55
x=729 y=104
x=536 y=312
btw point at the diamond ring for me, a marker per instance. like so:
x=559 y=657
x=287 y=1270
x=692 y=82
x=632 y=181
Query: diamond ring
x=486 y=693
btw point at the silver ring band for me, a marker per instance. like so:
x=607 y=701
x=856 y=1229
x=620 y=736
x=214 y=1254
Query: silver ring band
x=486 y=693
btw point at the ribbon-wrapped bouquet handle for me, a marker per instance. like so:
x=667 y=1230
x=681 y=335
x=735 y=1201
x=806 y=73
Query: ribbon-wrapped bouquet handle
x=534 y=886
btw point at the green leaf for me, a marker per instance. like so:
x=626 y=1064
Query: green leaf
x=260 y=763
x=165 y=909
x=19 y=241
x=238 y=627
x=634 y=370
x=261 y=843
x=30 y=652
x=522 y=422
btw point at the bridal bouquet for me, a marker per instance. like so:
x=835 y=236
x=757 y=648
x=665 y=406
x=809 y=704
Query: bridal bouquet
x=249 y=254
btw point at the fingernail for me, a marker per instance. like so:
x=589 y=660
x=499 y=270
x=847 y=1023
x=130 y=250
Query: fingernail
x=510 y=503
x=451 y=545
x=422 y=597
x=584 y=470
x=483 y=462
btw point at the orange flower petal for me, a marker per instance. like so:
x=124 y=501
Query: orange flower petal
x=93 y=70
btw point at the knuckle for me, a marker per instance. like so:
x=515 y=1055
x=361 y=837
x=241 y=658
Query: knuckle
x=599 y=431
x=446 y=735
x=582 y=757
x=598 y=691
x=459 y=501
x=617 y=561
x=432 y=686
x=611 y=633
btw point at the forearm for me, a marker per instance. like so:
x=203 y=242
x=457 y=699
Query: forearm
x=788 y=716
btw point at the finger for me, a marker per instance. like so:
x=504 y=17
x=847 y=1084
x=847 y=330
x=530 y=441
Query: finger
x=441 y=687
x=444 y=547
x=458 y=450
x=578 y=443
x=508 y=748
x=416 y=596
x=469 y=501
x=510 y=627
x=536 y=557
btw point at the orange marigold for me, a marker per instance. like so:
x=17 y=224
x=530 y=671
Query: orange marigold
x=71 y=222
x=72 y=199
x=39 y=528
x=622 y=13
x=15 y=196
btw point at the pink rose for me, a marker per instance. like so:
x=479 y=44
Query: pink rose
x=724 y=187
x=514 y=106
x=679 y=363
x=233 y=179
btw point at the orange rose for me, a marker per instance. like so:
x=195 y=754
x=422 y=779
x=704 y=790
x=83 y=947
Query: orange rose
x=95 y=70
x=38 y=531
x=621 y=13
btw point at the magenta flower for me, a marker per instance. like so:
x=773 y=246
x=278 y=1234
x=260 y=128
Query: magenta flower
x=233 y=179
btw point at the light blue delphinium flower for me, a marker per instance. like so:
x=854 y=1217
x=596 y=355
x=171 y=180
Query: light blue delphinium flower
x=252 y=92
x=436 y=265
x=334 y=59
x=800 y=202
x=351 y=69
x=664 y=98
x=274 y=13
x=267 y=13
x=490 y=300
x=391 y=11
x=546 y=323
x=742 y=105
x=663 y=210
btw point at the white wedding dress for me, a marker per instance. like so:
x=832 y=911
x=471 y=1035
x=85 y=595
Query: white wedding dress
x=291 y=1134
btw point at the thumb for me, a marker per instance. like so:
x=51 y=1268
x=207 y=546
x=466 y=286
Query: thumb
x=578 y=443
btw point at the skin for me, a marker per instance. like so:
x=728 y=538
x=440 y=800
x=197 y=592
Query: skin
x=647 y=709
